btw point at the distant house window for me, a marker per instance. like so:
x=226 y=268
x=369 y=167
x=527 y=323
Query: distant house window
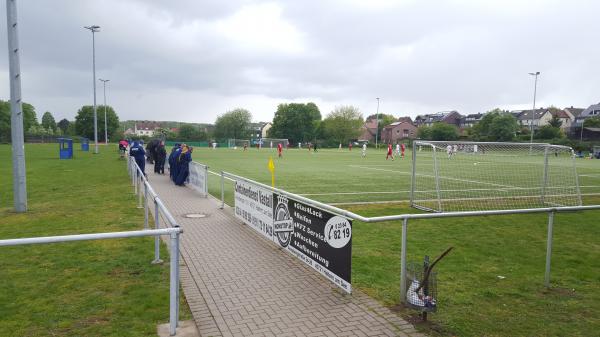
x=595 y=112
x=405 y=132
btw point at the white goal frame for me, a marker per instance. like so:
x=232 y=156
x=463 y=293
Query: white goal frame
x=455 y=176
x=233 y=143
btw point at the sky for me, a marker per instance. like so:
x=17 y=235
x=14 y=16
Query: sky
x=193 y=60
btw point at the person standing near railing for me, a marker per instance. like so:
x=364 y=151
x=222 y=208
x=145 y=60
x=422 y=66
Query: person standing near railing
x=175 y=151
x=183 y=165
x=138 y=153
x=161 y=156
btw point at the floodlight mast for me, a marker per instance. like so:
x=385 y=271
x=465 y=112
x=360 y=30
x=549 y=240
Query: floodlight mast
x=377 y=129
x=105 y=120
x=16 y=108
x=94 y=29
x=533 y=110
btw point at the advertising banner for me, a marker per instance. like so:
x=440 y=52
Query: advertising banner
x=198 y=179
x=320 y=239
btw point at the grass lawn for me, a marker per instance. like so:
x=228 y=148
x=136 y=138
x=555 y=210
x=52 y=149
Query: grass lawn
x=90 y=288
x=473 y=299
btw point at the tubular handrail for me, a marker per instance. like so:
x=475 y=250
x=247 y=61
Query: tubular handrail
x=153 y=194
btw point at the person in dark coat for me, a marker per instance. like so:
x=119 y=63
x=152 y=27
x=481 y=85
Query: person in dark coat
x=175 y=151
x=161 y=156
x=183 y=165
x=137 y=152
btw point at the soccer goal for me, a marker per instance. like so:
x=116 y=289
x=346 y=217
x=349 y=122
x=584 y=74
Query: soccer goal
x=271 y=143
x=237 y=143
x=475 y=176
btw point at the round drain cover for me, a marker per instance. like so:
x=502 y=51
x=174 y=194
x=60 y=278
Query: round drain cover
x=195 y=215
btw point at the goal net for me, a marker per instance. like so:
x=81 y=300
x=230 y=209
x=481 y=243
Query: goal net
x=271 y=143
x=237 y=143
x=475 y=176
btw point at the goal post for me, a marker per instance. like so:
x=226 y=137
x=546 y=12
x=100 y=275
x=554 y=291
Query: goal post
x=474 y=176
x=271 y=143
x=235 y=143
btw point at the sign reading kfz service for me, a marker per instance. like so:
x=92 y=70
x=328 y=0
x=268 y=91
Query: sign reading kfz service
x=318 y=238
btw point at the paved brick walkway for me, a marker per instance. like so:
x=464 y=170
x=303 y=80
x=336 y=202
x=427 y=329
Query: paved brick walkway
x=239 y=284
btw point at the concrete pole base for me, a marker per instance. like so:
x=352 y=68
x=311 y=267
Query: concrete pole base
x=185 y=329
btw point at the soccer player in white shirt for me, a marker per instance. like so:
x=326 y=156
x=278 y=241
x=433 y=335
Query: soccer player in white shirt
x=449 y=151
x=364 y=150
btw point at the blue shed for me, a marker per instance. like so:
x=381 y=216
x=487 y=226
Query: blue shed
x=65 y=147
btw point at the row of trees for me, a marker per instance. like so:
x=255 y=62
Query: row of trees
x=82 y=126
x=297 y=122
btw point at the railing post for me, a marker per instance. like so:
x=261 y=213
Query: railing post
x=135 y=182
x=205 y=181
x=140 y=192
x=222 y=190
x=146 y=226
x=174 y=284
x=157 y=259
x=403 y=262
x=549 y=249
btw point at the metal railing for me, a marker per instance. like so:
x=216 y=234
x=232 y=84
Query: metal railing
x=173 y=231
x=406 y=217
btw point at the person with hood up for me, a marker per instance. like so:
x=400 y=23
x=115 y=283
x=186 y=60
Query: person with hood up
x=183 y=165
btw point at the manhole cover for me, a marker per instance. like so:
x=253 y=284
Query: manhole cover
x=195 y=215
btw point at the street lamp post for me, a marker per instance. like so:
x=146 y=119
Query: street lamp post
x=533 y=110
x=377 y=129
x=105 y=120
x=94 y=29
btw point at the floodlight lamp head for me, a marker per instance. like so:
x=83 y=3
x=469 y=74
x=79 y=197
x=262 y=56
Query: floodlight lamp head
x=535 y=74
x=93 y=29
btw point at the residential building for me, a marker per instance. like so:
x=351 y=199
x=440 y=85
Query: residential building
x=368 y=131
x=470 y=120
x=398 y=131
x=146 y=128
x=564 y=117
x=540 y=118
x=448 y=117
x=259 y=130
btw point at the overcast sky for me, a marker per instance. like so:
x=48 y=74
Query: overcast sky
x=194 y=60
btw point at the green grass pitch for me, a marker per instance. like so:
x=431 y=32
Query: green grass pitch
x=491 y=283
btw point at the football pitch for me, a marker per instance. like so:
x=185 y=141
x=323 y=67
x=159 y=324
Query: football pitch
x=344 y=178
x=492 y=282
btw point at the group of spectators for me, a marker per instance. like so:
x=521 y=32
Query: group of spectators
x=179 y=158
x=179 y=163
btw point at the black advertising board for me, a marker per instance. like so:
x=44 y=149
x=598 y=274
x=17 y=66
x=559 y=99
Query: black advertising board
x=320 y=239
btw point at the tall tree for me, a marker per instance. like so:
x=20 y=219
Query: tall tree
x=48 y=121
x=343 y=124
x=555 y=121
x=63 y=125
x=496 y=125
x=296 y=122
x=190 y=133
x=84 y=122
x=438 y=131
x=29 y=119
x=233 y=124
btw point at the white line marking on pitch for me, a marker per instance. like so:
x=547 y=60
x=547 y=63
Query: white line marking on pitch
x=430 y=176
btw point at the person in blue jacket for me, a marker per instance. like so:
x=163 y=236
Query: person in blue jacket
x=139 y=154
x=183 y=165
x=175 y=151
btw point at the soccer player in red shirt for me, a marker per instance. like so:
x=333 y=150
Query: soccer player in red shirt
x=402 y=148
x=350 y=146
x=279 y=148
x=389 y=152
